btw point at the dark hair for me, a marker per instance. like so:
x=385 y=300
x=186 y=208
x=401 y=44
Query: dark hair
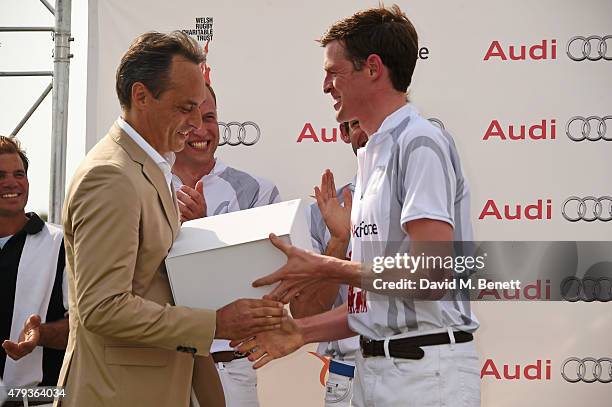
x=212 y=92
x=148 y=61
x=9 y=145
x=385 y=32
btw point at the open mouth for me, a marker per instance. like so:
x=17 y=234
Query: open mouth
x=11 y=195
x=198 y=145
x=337 y=103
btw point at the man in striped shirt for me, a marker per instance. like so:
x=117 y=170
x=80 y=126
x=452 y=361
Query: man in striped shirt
x=205 y=186
x=416 y=345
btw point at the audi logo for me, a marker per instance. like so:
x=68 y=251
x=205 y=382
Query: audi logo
x=587 y=370
x=592 y=48
x=235 y=133
x=437 y=122
x=577 y=132
x=587 y=209
x=587 y=289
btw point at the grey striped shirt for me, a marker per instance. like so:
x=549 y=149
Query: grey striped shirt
x=408 y=170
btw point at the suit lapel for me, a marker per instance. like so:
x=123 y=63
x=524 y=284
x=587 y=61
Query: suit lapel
x=152 y=173
x=155 y=176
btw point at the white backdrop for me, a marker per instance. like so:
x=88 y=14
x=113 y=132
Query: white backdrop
x=267 y=68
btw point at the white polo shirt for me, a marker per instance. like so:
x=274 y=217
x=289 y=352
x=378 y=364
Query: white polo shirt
x=227 y=189
x=408 y=170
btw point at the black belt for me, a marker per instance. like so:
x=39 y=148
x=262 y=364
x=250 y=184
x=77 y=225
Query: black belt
x=227 y=356
x=409 y=348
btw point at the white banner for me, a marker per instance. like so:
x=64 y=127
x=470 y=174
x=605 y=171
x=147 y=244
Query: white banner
x=524 y=87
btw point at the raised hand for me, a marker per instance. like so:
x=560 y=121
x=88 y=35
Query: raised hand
x=336 y=217
x=191 y=202
x=28 y=339
x=299 y=272
x=270 y=345
x=245 y=317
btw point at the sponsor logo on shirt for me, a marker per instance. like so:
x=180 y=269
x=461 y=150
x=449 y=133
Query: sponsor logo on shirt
x=357 y=301
x=364 y=229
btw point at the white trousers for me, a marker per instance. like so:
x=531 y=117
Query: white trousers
x=447 y=376
x=338 y=391
x=239 y=381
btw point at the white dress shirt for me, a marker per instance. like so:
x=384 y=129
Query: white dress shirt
x=164 y=162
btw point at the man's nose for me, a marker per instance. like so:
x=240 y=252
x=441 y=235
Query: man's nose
x=195 y=119
x=9 y=182
x=327 y=84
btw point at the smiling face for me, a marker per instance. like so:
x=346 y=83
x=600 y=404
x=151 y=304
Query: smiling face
x=359 y=138
x=353 y=134
x=345 y=84
x=202 y=143
x=174 y=114
x=14 y=186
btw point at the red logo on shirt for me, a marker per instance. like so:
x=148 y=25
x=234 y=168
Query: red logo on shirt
x=357 y=301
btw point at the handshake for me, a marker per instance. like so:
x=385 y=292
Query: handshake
x=265 y=329
x=262 y=327
x=245 y=318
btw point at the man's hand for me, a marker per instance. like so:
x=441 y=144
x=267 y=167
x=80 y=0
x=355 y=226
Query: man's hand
x=337 y=217
x=300 y=271
x=244 y=318
x=270 y=345
x=192 y=204
x=29 y=339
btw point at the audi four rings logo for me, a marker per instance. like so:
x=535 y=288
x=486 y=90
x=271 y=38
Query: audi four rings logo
x=587 y=209
x=235 y=133
x=587 y=289
x=592 y=48
x=587 y=370
x=590 y=128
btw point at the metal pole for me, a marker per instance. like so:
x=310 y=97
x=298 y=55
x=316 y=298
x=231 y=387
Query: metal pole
x=32 y=109
x=48 y=6
x=31 y=73
x=25 y=29
x=59 y=127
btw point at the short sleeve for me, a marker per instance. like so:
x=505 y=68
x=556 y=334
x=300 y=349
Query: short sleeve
x=428 y=183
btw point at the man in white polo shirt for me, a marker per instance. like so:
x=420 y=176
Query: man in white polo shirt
x=410 y=190
x=329 y=237
x=205 y=186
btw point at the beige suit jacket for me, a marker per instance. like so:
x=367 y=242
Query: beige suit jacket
x=128 y=345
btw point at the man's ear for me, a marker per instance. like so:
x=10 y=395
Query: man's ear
x=374 y=66
x=344 y=134
x=140 y=95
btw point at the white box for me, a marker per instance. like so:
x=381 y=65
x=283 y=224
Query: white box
x=215 y=259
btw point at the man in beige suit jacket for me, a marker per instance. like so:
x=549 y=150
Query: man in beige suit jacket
x=129 y=345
